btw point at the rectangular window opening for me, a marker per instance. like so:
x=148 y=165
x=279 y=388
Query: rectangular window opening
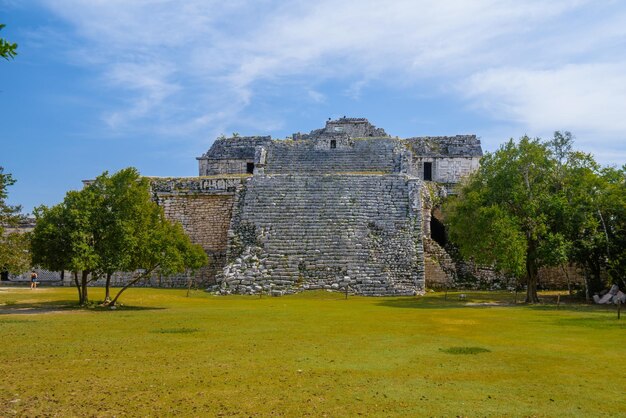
x=333 y=144
x=428 y=171
x=250 y=168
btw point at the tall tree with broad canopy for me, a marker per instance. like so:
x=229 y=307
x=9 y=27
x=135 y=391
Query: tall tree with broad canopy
x=14 y=254
x=594 y=218
x=114 y=226
x=63 y=238
x=534 y=204
x=503 y=214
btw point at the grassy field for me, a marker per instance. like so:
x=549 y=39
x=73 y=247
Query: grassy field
x=164 y=354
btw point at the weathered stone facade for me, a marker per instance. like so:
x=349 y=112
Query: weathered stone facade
x=341 y=206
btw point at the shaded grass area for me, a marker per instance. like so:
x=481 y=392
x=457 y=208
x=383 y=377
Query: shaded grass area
x=308 y=354
x=465 y=350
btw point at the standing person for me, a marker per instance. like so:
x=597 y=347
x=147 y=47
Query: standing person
x=33 y=280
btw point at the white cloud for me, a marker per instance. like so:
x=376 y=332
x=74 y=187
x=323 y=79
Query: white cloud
x=577 y=96
x=150 y=84
x=316 y=96
x=194 y=65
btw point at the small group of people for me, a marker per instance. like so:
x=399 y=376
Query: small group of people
x=33 y=280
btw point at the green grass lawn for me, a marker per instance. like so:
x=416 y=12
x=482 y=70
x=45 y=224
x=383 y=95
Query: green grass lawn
x=163 y=354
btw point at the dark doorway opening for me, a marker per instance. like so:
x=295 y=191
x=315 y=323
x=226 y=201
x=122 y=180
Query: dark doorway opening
x=438 y=231
x=250 y=168
x=428 y=171
x=333 y=144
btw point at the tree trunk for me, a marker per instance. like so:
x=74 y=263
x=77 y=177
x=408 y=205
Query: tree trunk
x=569 y=285
x=80 y=292
x=129 y=284
x=191 y=281
x=593 y=277
x=84 y=281
x=531 y=275
x=107 y=289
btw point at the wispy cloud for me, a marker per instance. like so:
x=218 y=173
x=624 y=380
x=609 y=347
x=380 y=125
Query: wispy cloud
x=578 y=96
x=198 y=65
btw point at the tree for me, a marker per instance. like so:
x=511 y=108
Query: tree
x=123 y=195
x=134 y=235
x=502 y=216
x=164 y=247
x=595 y=219
x=63 y=238
x=113 y=225
x=534 y=204
x=7 y=49
x=14 y=254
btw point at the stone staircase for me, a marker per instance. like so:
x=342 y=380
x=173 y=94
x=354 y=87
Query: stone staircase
x=294 y=232
x=361 y=156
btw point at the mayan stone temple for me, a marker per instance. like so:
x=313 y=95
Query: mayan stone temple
x=342 y=206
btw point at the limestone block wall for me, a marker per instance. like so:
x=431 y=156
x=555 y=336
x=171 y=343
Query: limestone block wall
x=350 y=155
x=445 y=170
x=226 y=166
x=205 y=218
x=230 y=155
x=294 y=232
x=451 y=170
x=204 y=208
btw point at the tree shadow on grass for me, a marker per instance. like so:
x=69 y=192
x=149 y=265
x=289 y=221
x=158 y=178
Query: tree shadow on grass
x=433 y=304
x=604 y=322
x=483 y=300
x=65 y=306
x=475 y=299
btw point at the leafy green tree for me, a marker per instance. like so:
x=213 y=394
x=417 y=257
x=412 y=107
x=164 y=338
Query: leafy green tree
x=63 y=238
x=616 y=202
x=7 y=49
x=113 y=225
x=534 y=204
x=134 y=235
x=164 y=247
x=595 y=219
x=123 y=195
x=8 y=214
x=502 y=216
x=14 y=254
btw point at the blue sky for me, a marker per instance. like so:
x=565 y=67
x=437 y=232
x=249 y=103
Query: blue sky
x=105 y=84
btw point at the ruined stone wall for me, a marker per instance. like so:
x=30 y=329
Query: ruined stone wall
x=204 y=207
x=294 y=232
x=445 y=170
x=349 y=127
x=226 y=166
x=556 y=278
x=350 y=155
x=451 y=157
x=205 y=218
x=230 y=155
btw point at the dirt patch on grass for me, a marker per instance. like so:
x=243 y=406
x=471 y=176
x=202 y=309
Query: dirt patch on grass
x=34 y=310
x=487 y=304
x=175 y=331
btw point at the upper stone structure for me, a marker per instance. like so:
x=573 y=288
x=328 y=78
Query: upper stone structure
x=346 y=127
x=231 y=155
x=346 y=145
